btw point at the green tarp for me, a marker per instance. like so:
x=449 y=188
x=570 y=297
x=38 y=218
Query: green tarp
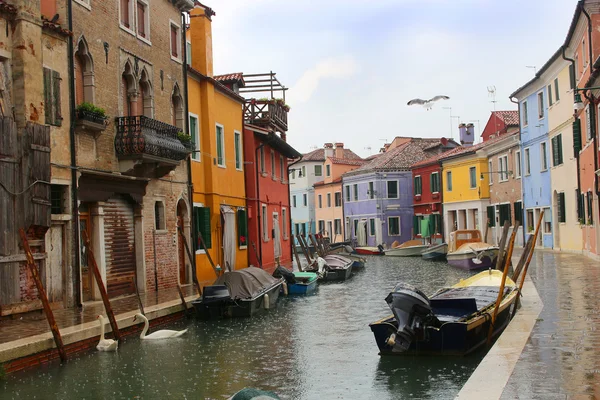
x=425 y=227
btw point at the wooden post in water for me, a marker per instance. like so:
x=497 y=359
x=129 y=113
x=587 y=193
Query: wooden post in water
x=139 y=299
x=300 y=268
x=192 y=260
x=522 y=260
x=305 y=249
x=502 y=244
x=182 y=297
x=502 y=284
x=487 y=225
x=42 y=294
x=101 y=287
x=207 y=253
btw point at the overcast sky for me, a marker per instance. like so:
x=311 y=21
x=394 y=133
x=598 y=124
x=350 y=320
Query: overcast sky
x=351 y=65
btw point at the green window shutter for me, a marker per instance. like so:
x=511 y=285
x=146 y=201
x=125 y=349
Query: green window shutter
x=590 y=209
x=242 y=227
x=556 y=92
x=550 y=94
x=577 y=136
x=572 y=76
x=202 y=220
x=562 y=216
x=491 y=216
x=554 y=152
x=560 y=152
x=56 y=98
x=416 y=225
x=431 y=184
x=579 y=205
x=48 y=96
x=518 y=206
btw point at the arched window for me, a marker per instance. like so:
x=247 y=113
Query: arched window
x=129 y=94
x=177 y=107
x=146 y=98
x=84 y=73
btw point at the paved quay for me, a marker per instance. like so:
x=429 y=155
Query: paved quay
x=560 y=357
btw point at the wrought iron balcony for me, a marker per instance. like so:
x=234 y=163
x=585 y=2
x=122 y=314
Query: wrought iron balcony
x=267 y=114
x=143 y=137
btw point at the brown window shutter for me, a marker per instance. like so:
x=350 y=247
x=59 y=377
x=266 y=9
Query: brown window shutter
x=141 y=19
x=48 y=96
x=125 y=13
x=56 y=98
x=79 y=93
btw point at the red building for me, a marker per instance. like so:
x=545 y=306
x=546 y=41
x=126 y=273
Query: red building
x=266 y=157
x=500 y=122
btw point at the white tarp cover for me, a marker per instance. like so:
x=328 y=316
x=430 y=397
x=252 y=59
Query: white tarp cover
x=277 y=239
x=229 y=238
x=378 y=232
x=361 y=235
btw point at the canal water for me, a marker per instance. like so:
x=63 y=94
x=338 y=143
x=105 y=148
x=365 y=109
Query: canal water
x=312 y=347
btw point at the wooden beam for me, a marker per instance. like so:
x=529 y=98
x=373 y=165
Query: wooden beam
x=192 y=260
x=22 y=258
x=502 y=245
x=42 y=294
x=300 y=268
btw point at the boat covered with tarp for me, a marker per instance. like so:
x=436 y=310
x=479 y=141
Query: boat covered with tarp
x=239 y=293
x=466 y=250
x=454 y=321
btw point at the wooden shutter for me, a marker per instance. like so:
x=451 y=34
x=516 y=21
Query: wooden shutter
x=518 y=206
x=550 y=94
x=416 y=225
x=556 y=92
x=48 y=96
x=79 y=93
x=56 y=98
x=243 y=227
x=202 y=220
x=141 y=19
x=590 y=220
x=562 y=217
x=504 y=213
x=572 y=76
x=579 y=200
x=491 y=215
x=577 y=136
x=125 y=13
x=560 y=152
x=554 y=152
x=120 y=247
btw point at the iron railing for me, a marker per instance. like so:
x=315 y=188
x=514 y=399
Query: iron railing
x=141 y=135
x=267 y=114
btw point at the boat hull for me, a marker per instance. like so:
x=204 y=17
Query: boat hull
x=339 y=274
x=465 y=261
x=435 y=253
x=371 y=251
x=306 y=287
x=411 y=251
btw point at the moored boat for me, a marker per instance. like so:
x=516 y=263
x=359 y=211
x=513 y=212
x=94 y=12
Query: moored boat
x=369 y=250
x=239 y=293
x=305 y=283
x=435 y=252
x=332 y=267
x=453 y=321
x=466 y=250
x=410 y=248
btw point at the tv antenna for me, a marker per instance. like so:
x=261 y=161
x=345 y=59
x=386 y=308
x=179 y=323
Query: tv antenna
x=368 y=148
x=492 y=93
x=313 y=147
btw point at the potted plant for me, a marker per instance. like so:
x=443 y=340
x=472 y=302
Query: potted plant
x=186 y=140
x=88 y=111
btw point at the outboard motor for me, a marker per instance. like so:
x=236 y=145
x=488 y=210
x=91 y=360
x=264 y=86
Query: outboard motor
x=412 y=311
x=283 y=272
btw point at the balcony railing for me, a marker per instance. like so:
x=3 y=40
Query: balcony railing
x=267 y=114
x=141 y=136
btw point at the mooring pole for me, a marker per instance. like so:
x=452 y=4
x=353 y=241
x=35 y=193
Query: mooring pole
x=101 y=287
x=296 y=255
x=193 y=261
x=42 y=294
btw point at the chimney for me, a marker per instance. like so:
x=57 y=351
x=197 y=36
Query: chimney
x=201 y=39
x=328 y=150
x=339 y=150
x=467 y=134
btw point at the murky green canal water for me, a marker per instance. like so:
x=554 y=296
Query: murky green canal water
x=314 y=347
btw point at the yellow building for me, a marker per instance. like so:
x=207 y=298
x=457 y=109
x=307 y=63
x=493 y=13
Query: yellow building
x=219 y=196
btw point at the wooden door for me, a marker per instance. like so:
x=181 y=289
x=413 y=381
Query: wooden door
x=55 y=264
x=120 y=247
x=86 y=272
x=181 y=252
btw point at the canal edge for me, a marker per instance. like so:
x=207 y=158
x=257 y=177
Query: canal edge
x=500 y=361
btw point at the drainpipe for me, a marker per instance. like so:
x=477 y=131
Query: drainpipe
x=74 y=194
x=258 y=214
x=522 y=179
x=591 y=100
x=289 y=167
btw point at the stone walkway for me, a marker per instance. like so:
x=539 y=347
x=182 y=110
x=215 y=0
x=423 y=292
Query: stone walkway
x=561 y=359
x=15 y=329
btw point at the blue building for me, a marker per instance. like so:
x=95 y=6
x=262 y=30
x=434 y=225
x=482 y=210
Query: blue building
x=535 y=154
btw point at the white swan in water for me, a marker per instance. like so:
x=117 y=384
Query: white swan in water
x=162 y=334
x=105 y=344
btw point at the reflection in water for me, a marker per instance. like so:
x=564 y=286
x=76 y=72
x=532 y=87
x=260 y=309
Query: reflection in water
x=313 y=347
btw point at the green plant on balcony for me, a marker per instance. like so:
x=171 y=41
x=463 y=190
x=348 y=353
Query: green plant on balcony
x=186 y=140
x=90 y=112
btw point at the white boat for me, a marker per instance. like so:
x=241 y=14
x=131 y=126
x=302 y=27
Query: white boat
x=410 y=248
x=466 y=250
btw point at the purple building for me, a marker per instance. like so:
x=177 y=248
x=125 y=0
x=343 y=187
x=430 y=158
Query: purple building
x=378 y=196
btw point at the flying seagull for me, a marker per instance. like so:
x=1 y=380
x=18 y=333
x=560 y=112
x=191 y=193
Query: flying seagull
x=428 y=104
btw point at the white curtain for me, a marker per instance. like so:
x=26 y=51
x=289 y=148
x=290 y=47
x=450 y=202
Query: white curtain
x=361 y=235
x=277 y=239
x=378 y=233
x=229 y=238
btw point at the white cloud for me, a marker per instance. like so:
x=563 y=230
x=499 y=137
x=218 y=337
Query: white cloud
x=337 y=68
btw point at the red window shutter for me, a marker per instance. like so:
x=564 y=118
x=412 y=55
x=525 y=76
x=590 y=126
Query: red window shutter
x=125 y=13
x=141 y=19
x=79 y=94
x=126 y=108
x=174 y=41
x=140 y=100
x=48 y=8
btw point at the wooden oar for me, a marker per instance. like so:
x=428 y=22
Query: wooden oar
x=501 y=291
x=300 y=268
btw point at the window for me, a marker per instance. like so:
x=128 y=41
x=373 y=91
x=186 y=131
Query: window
x=449 y=181
x=195 y=133
x=294 y=201
x=556 y=92
x=490 y=172
x=58 y=199
x=330 y=229
x=588 y=129
x=293 y=174
x=530 y=221
x=320 y=198
x=328 y=200
x=143 y=20
x=304 y=199
x=175 y=41
x=159 y=216
x=393 y=226
x=518 y=207
x=125 y=14
x=504 y=213
x=579 y=199
x=417 y=224
x=303 y=170
x=418 y=189
x=371 y=192
x=527 y=162
x=540 y=98
x=237 y=140
x=262 y=160
x=473 y=177
x=338 y=199
x=356 y=227
x=52 y=97
x=328 y=170
x=372 y=226
x=321 y=226
x=557 y=155
x=576 y=66
x=202 y=226
x=543 y=156
x=242 y=226
x=337 y=226
x=524 y=113
x=285 y=224
x=571 y=76
x=273 y=174
x=220 y=146
x=84 y=73
x=434 y=182
x=355 y=189
x=583 y=58
x=590 y=211
x=491 y=216
x=347 y=188
x=188 y=53
x=547 y=221
x=265 y=223
x=517 y=164
x=560 y=205
x=550 y=95
x=318 y=170
x=503 y=168
x=392 y=189
x=281 y=168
